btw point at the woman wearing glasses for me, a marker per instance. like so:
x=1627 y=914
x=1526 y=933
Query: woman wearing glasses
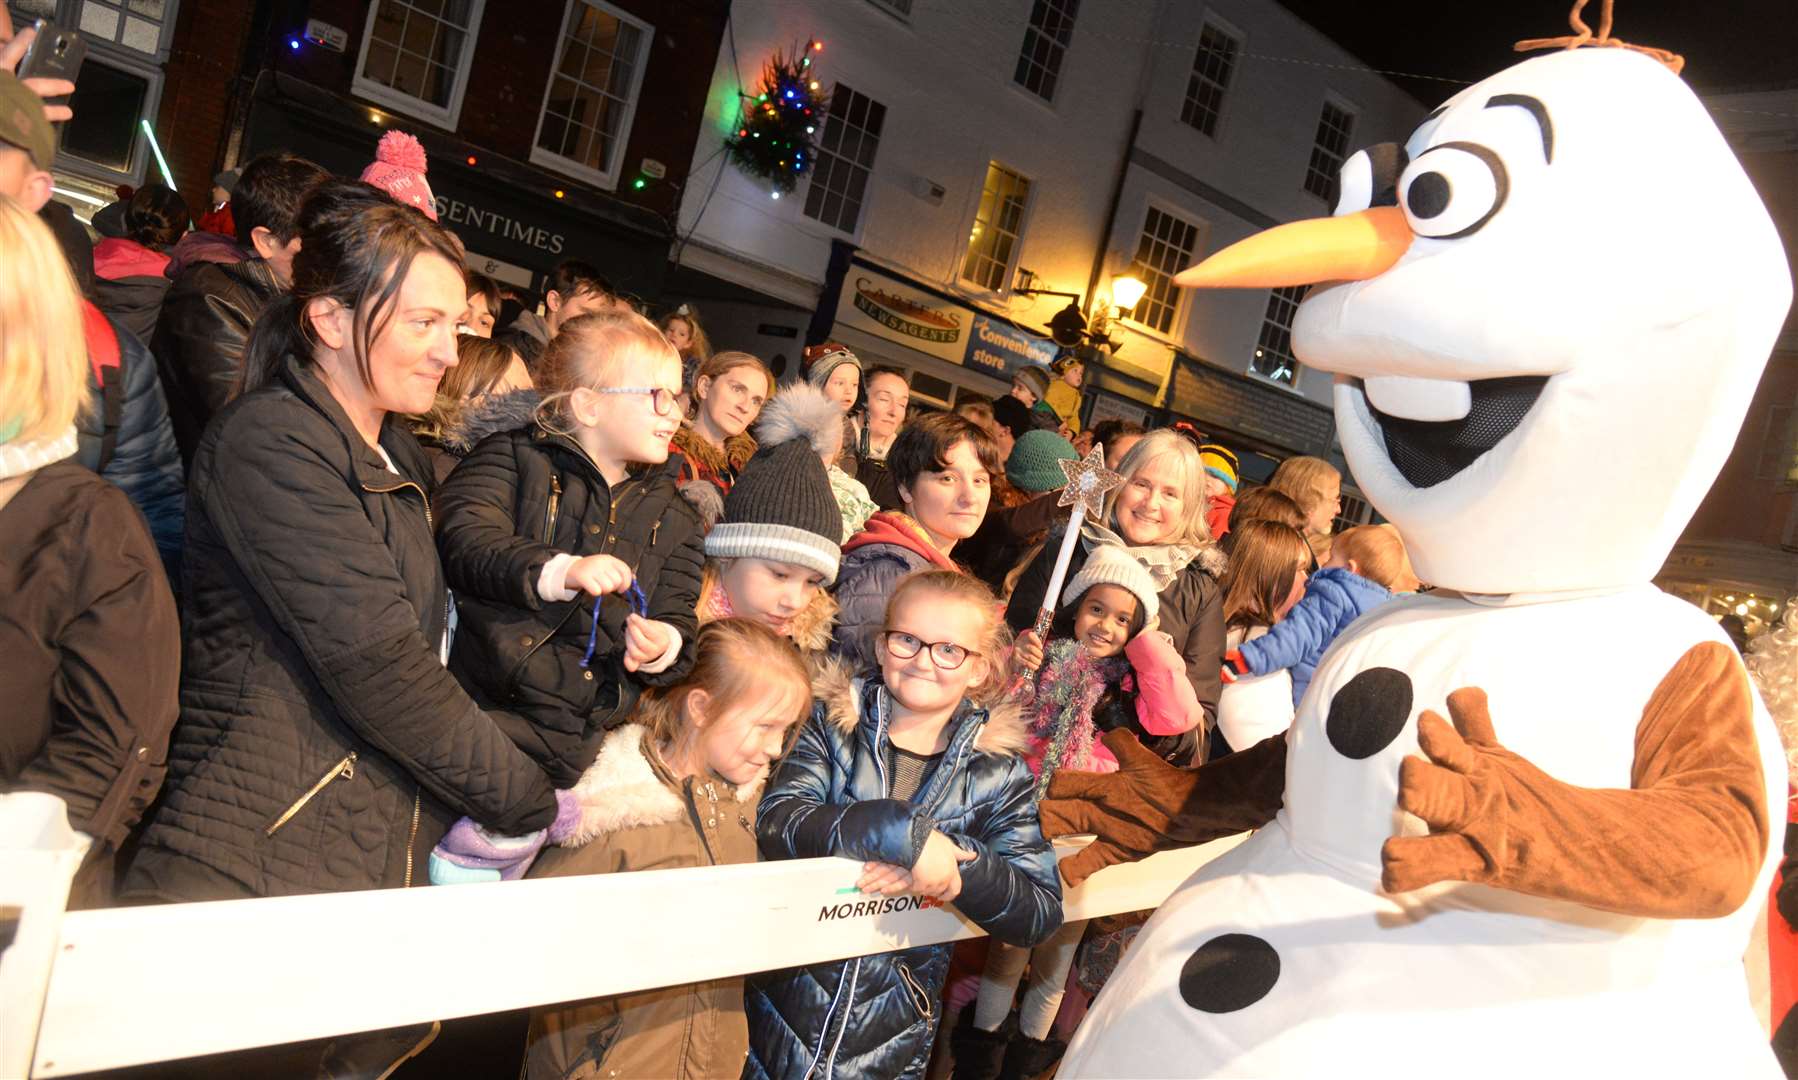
x=916 y=771
x=576 y=579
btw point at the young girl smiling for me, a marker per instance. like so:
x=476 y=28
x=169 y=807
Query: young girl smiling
x=909 y=771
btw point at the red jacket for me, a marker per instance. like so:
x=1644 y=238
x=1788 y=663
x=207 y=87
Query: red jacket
x=1217 y=514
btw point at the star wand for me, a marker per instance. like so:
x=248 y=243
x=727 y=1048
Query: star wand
x=1088 y=481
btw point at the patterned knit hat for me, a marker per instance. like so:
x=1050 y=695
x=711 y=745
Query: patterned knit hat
x=781 y=507
x=1110 y=564
x=1219 y=462
x=1032 y=464
x=399 y=170
x=823 y=359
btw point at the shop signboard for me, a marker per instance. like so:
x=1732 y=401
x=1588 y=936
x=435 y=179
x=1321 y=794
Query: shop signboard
x=1000 y=349
x=883 y=306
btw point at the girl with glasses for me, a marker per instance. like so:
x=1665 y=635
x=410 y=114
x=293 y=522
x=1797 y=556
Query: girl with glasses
x=574 y=558
x=916 y=771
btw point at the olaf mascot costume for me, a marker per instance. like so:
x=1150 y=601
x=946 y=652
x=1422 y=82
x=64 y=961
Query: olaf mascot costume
x=1520 y=825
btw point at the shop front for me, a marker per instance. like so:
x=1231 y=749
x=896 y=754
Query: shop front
x=947 y=349
x=517 y=221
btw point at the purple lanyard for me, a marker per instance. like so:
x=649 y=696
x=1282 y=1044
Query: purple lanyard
x=639 y=604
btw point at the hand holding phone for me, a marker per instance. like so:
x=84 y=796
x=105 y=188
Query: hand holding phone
x=46 y=58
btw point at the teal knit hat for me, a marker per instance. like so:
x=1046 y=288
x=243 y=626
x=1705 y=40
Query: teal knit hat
x=1032 y=464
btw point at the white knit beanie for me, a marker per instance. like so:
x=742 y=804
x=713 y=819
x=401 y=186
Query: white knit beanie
x=1110 y=564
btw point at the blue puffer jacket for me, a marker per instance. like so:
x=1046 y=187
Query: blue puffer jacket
x=143 y=459
x=1333 y=599
x=875 y=1016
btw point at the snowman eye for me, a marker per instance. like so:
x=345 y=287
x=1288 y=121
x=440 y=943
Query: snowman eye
x=1355 y=184
x=1452 y=190
x=1368 y=178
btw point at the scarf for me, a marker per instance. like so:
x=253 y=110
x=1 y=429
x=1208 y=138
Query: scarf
x=1061 y=715
x=19 y=457
x=1163 y=561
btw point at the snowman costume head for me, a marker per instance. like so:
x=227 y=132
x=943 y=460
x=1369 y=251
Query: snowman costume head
x=1576 y=291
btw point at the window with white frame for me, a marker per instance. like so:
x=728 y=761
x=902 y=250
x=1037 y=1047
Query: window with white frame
x=1273 y=357
x=1045 y=43
x=593 y=91
x=998 y=228
x=1335 y=126
x=846 y=152
x=415 y=56
x=1211 y=68
x=1166 y=248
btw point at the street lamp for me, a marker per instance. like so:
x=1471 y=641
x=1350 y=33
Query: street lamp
x=1127 y=292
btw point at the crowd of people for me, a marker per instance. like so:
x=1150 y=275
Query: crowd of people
x=332 y=565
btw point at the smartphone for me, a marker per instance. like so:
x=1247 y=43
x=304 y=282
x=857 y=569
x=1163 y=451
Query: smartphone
x=55 y=54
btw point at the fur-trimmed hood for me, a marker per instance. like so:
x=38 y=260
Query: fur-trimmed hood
x=706 y=458
x=1003 y=732
x=468 y=423
x=622 y=789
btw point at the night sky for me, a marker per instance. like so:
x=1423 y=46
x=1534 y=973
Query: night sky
x=1726 y=43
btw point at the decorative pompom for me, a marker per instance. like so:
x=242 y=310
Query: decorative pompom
x=399 y=148
x=802 y=411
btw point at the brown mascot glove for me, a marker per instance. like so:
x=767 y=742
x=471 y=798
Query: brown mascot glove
x=1684 y=841
x=1149 y=805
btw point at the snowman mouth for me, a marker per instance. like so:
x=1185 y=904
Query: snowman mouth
x=1427 y=452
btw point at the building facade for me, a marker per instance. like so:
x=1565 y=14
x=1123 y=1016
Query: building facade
x=972 y=153
x=554 y=130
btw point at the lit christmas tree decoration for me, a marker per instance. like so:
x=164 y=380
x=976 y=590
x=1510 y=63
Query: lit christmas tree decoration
x=775 y=135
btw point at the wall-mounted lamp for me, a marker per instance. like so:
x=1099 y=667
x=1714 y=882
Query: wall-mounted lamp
x=1126 y=292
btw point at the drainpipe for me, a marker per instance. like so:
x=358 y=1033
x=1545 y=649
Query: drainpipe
x=1111 y=211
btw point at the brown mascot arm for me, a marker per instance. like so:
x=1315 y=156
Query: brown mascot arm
x=1686 y=841
x=1149 y=805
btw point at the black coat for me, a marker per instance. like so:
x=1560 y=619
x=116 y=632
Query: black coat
x=322 y=744
x=200 y=338
x=1192 y=613
x=92 y=654
x=518 y=500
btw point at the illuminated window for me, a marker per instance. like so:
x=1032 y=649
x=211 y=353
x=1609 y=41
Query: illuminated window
x=998 y=226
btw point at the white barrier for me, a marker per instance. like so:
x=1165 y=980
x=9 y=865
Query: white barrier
x=136 y=985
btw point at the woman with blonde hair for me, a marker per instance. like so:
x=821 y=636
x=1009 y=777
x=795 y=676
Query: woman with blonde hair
x=1158 y=515
x=87 y=623
x=1316 y=486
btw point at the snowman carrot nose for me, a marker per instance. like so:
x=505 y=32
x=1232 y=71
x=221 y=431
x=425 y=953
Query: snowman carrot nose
x=1352 y=247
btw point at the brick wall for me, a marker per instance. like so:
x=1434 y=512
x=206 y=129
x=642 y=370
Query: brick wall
x=206 y=54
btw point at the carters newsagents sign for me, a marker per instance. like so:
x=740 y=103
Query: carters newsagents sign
x=877 y=304
x=1000 y=349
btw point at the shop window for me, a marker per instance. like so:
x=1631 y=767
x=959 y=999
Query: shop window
x=415 y=56
x=593 y=92
x=928 y=391
x=1045 y=43
x=1210 y=77
x=998 y=228
x=839 y=185
x=1335 y=126
x=1273 y=357
x=1355 y=511
x=109 y=102
x=1165 y=248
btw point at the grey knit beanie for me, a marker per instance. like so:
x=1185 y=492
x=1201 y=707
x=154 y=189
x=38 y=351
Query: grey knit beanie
x=1035 y=378
x=781 y=507
x=824 y=359
x=1110 y=564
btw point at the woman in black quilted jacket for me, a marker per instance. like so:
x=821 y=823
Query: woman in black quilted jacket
x=322 y=744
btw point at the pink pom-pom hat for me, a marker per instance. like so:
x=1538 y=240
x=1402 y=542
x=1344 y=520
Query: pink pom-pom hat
x=399 y=170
